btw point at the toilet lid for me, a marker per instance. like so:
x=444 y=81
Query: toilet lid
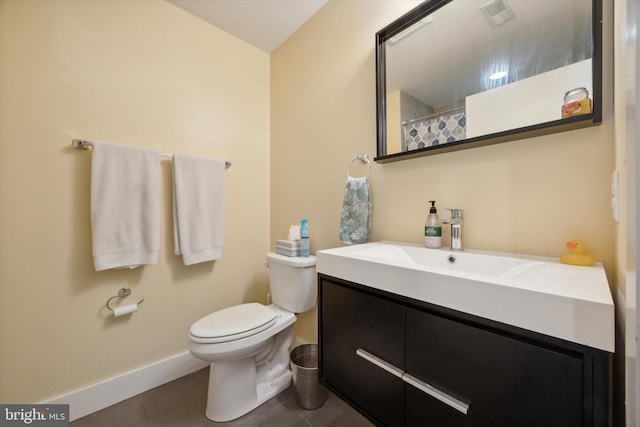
x=234 y=322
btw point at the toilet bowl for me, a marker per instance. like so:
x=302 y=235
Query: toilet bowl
x=248 y=345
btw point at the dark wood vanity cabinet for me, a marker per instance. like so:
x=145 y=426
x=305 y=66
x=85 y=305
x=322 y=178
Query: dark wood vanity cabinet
x=352 y=320
x=402 y=362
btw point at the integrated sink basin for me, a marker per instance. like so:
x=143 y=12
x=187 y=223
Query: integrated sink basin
x=535 y=293
x=473 y=263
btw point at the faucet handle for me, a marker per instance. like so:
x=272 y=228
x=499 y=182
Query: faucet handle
x=456 y=213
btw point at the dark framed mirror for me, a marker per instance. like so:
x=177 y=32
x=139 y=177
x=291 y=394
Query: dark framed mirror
x=458 y=74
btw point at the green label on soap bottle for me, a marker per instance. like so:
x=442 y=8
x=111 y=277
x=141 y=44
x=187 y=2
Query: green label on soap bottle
x=433 y=231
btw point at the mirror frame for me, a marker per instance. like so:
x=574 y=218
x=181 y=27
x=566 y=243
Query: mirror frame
x=555 y=126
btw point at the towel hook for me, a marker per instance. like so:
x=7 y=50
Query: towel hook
x=364 y=159
x=122 y=293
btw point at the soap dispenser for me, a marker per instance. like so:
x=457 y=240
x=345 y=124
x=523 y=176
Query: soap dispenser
x=433 y=228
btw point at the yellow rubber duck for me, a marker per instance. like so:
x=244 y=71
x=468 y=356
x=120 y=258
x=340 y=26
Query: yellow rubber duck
x=577 y=255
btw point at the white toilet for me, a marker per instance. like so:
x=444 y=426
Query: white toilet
x=248 y=344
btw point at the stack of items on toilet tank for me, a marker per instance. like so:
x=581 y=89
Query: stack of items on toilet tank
x=288 y=248
x=291 y=246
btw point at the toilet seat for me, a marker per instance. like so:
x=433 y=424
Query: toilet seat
x=233 y=323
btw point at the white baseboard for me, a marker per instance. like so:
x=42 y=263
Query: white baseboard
x=109 y=392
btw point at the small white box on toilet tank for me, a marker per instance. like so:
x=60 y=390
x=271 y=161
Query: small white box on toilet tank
x=293 y=282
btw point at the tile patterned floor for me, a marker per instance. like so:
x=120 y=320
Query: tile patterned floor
x=181 y=403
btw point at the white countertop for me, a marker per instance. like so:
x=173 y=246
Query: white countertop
x=535 y=293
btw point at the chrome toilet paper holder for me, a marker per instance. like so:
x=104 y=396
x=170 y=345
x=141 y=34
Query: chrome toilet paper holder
x=122 y=293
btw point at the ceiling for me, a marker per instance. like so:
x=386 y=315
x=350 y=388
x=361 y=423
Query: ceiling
x=265 y=24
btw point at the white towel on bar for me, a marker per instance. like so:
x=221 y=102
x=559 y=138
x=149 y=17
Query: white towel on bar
x=198 y=208
x=125 y=205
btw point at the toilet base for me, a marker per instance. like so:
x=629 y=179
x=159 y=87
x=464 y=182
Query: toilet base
x=236 y=387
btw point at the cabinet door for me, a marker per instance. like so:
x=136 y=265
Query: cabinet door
x=503 y=380
x=351 y=320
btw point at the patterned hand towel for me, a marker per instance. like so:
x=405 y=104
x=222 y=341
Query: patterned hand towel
x=355 y=224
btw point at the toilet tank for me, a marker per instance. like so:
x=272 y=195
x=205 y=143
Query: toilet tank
x=293 y=282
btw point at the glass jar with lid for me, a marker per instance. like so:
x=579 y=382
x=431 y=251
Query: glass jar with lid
x=576 y=102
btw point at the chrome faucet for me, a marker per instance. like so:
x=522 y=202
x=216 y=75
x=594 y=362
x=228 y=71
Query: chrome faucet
x=456 y=228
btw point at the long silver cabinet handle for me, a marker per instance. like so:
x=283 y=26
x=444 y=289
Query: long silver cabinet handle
x=438 y=394
x=380 y=363
x=445 y=398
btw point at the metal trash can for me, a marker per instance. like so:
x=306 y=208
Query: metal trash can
x=310 y=394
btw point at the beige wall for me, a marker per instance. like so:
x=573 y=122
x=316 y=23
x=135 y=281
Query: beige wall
x=137 y=72
x=526 y=196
